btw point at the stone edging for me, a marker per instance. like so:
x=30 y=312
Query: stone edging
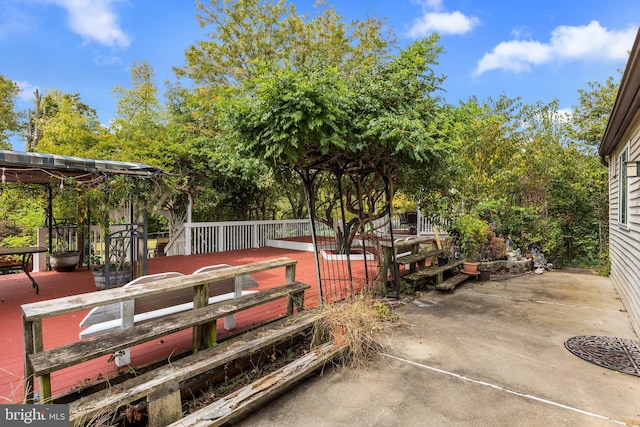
x=512 y=266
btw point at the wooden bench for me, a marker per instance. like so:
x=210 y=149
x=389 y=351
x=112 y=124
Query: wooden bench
x=158 y=386
x=434 y=271
x=417 y=261
x=124 y=315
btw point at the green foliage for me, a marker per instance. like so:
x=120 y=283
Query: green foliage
x=69 y=126
x=520 y=167
x=591 y=115
x=20 y=214
x=9 y=118
x=473 y=233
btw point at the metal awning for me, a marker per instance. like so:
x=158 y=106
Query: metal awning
x=41 y=168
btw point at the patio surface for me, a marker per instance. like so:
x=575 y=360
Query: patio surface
x=490 y=354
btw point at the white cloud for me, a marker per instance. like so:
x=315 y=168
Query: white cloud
x=434 y=19
x=95 y=21
x=26 y=90
x=103 y=60
x=590 y=42
x=429 y=4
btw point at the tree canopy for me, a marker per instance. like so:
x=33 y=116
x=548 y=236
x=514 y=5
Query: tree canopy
x=270 y=91
x=9 y=117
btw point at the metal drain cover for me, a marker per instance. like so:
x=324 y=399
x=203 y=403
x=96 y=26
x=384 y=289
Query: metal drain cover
x=617 y=354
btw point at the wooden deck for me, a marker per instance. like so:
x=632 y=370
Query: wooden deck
x=15 y=290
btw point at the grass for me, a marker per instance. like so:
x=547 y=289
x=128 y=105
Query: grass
x=359 y=324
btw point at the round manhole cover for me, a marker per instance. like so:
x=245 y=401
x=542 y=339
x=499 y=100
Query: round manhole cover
x=617 y=354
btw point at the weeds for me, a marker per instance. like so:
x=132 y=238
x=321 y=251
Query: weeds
x=359 y=324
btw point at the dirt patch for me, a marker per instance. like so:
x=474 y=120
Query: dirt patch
x=576 y=270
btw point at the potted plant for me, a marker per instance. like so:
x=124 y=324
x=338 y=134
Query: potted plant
x=63 y=258
x=495 y=249
x=110 y=275
x=473 y=233
x=444 y=258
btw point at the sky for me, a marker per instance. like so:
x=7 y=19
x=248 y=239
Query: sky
x=541 y=50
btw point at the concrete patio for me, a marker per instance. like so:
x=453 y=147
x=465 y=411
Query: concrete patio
x=490 y=354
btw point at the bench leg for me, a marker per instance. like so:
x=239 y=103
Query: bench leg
x=127 y=309
x=164 y=406
x=230 y=320
x=44 y=388
x=296 y=300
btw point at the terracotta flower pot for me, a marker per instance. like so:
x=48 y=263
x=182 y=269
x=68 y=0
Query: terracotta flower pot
x=470 y=267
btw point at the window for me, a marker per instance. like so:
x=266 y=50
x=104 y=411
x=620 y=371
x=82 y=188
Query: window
x=623 y=196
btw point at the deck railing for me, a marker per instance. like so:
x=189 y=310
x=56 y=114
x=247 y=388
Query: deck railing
x=205 y=237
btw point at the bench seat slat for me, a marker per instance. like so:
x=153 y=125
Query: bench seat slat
x=55 y=307
x=408 y=259
x=191 y=366
x=71 y=354
x=432 y=271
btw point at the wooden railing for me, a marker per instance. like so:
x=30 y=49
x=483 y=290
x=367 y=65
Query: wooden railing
x=205 y=237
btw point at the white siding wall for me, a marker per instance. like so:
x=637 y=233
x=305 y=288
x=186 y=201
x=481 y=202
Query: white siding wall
x=624 y=245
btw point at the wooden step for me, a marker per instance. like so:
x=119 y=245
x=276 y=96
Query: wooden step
x=255 y=394
x=432 y=271
x=450 y=284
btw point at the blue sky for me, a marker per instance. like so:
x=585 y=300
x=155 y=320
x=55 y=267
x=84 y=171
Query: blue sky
x=537 y=50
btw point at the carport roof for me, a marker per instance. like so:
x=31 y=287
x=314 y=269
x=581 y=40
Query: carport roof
x=41 y=168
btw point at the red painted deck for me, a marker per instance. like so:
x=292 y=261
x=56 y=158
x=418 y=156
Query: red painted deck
x=15 y=290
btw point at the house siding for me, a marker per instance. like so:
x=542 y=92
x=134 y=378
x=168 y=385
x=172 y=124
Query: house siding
x=624 y=240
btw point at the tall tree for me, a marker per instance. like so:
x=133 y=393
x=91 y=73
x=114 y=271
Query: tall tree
x=9 y=118
x=591 y=115
x=140 y=126
x=69 y=127
x=339 y=101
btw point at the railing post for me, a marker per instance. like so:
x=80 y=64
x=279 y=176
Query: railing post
x=187 y=239
x=220 y=233
x=256 y=230
x=40 y=259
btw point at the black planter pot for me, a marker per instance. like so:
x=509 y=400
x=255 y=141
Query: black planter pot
x=484 y=275
x=443 y=260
